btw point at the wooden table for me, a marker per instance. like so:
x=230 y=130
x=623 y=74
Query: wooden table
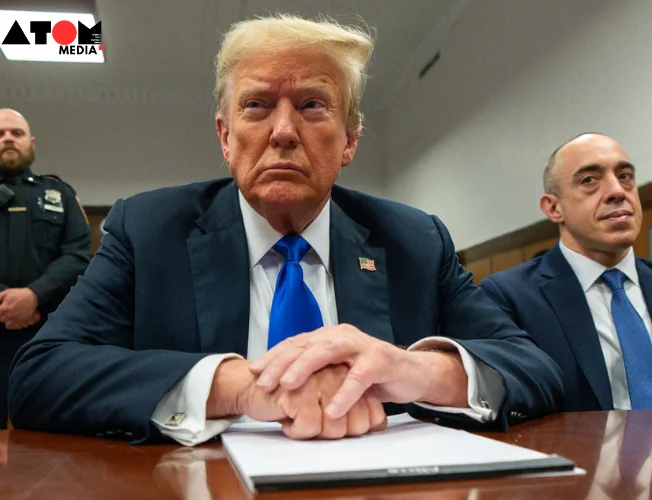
x=607 y=444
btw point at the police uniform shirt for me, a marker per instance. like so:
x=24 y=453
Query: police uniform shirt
x=44 y=236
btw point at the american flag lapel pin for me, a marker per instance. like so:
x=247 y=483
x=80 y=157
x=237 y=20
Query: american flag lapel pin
x=367 y=264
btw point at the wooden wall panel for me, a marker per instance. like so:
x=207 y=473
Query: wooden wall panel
x=95 y=214
x=642 y=245
x=480 y=269
x=529 y=235
x=530 y=250
x=94 y=221
x=505 y=260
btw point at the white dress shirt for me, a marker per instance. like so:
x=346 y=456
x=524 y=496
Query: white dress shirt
x=181 y=413
x=598 y=295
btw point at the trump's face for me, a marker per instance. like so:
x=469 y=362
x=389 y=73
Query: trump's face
x=284 y=134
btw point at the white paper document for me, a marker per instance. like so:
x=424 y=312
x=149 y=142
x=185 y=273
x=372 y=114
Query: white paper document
x=263 y=455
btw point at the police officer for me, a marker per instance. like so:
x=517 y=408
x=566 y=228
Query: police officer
x=44 y=243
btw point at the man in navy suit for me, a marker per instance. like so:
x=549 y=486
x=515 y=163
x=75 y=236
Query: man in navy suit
x=563 y=299
x=346 y=301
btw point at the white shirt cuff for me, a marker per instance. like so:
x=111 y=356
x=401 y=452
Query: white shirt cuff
x=486 y=390
x=181 y=413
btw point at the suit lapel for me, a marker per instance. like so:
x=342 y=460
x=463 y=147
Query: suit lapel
x=566 y=297
x=645 y=281
x=220 y=269
x=362 y=296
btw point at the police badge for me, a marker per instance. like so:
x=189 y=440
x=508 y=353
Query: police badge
x=53 y=201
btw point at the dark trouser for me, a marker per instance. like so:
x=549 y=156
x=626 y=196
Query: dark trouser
x=10 y=342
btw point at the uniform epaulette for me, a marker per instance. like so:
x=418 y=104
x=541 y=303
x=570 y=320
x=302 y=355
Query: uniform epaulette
x=57 y=179
x=50 y=176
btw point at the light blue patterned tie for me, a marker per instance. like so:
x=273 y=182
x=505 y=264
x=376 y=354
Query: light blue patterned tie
x=634 y=339
x=294 y=307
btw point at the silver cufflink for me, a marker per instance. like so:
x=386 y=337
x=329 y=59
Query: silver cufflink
x=175 y=419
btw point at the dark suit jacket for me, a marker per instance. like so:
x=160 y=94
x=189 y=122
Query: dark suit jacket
x=170 y=285
x=544 y=297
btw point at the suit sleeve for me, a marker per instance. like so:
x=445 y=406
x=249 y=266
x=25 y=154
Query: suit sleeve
x=75 y=254
x=80 y=374
x=532 y=381
x=491 y=288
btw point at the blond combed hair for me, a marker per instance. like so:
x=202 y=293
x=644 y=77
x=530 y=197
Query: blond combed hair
x=351 y=47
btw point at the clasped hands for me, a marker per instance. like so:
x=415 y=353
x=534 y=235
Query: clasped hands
x=332 y=382
x=18 y=308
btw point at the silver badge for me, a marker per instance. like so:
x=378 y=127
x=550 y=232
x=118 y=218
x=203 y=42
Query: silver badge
x=53 y=201
x=53 y=196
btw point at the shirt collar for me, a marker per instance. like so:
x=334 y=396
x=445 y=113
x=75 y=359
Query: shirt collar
x=261 y=237
x=588 y=271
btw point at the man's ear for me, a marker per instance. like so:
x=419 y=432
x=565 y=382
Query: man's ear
x=550 y=206
x=351 y=146
x=223 y=133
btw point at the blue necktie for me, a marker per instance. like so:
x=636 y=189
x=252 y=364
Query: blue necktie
x=294 y=307
x=634 y=341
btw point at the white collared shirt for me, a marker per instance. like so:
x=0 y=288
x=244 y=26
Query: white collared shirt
x=265 y=264
x=598 y=295
x=181 y=413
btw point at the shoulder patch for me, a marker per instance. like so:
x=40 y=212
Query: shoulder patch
x=81 y=207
